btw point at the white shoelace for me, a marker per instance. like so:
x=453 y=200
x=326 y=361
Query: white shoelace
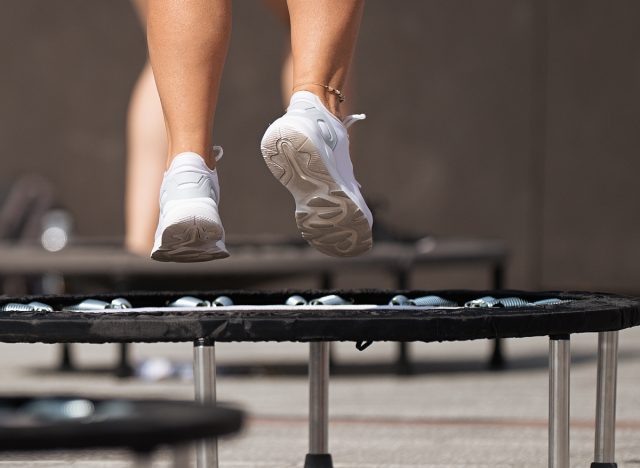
x=351 y=119
x=217 y=153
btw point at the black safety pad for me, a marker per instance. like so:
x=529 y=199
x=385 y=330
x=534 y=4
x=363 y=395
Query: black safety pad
x=142 y=426
x=587 y=312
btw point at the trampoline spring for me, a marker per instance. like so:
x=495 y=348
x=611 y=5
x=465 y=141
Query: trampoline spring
x=512 y=302
x=190 y=302
x=435 y=301
x=222 y=301
x=550 y=301
x=15 y=307
x=87 y=305
x=120 y=303
x=96 y=304
x=296 y=301
x=31 y=307
x=40 y=306
x=486 y=301
x=399 y=300
x=331 y=299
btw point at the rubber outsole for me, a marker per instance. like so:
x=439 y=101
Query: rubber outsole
x=326 y=216
x=192 y=239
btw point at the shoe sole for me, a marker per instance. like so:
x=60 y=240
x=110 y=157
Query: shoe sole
x=326 y=216
x=191 y=239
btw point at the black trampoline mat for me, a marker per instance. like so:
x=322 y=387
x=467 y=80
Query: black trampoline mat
x=264 y=317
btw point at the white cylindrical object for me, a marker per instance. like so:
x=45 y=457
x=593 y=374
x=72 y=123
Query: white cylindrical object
x=559 y=383
x=204 y=376
x=605 y=444
x=318 y=398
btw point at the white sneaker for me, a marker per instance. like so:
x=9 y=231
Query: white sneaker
x=307 y=150
x=189 y=228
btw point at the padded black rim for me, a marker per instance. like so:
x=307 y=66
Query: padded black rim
x=587 y=312
x=152 y=423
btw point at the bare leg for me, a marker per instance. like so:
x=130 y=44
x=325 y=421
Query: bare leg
x=323 y=37
x=280 y=10
x=188 y=43
x=146 y=154
x=287 y=84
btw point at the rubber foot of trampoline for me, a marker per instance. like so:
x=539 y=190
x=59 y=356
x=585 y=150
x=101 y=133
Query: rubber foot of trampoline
x=604 y=465
x=497 y=361
x=318 y=460
x=124 y=372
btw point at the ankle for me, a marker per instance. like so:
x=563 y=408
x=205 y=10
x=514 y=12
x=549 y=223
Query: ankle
x=205 y=154
x=330 y=100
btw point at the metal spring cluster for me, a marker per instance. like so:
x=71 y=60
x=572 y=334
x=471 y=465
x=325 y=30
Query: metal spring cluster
x=423 y=301
x=191 y=302
x=331 y=299
x=489 y=301
x=295 y=300
x=486 y=301
x=30 y=307
x=89 y=305
x=84 y=306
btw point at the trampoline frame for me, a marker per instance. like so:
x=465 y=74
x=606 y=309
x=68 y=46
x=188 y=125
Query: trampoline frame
x=607 y=315
x=319 y=455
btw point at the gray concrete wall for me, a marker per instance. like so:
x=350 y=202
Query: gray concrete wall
x=591 y=228
x=505 y=118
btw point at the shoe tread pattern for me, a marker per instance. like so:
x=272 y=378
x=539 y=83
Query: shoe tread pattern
x=191 y=239
x=326 y=216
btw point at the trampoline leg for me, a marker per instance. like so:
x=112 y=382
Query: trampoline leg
x=497 y=361
x=403 y=362
x=181 y=456
x=204 y=375
x=605 y=445
x=318 y=456
x=403 y=365
x=66 y=358
x=142 y=460
x=124 y=369
x=559 y=366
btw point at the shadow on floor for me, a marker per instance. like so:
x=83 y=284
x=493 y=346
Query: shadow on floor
x=367 y=369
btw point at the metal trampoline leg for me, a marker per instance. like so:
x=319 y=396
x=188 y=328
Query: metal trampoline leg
x=142 y=460
x=497 y=361
x=124 y=369
x=181 y=455
x=605 y=445
x=66 y=358
x=559 y=367
x=318 y=456
x=204 y=375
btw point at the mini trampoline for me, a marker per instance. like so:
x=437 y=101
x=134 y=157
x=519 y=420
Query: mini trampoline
x=74 y=422
x=361 y=316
